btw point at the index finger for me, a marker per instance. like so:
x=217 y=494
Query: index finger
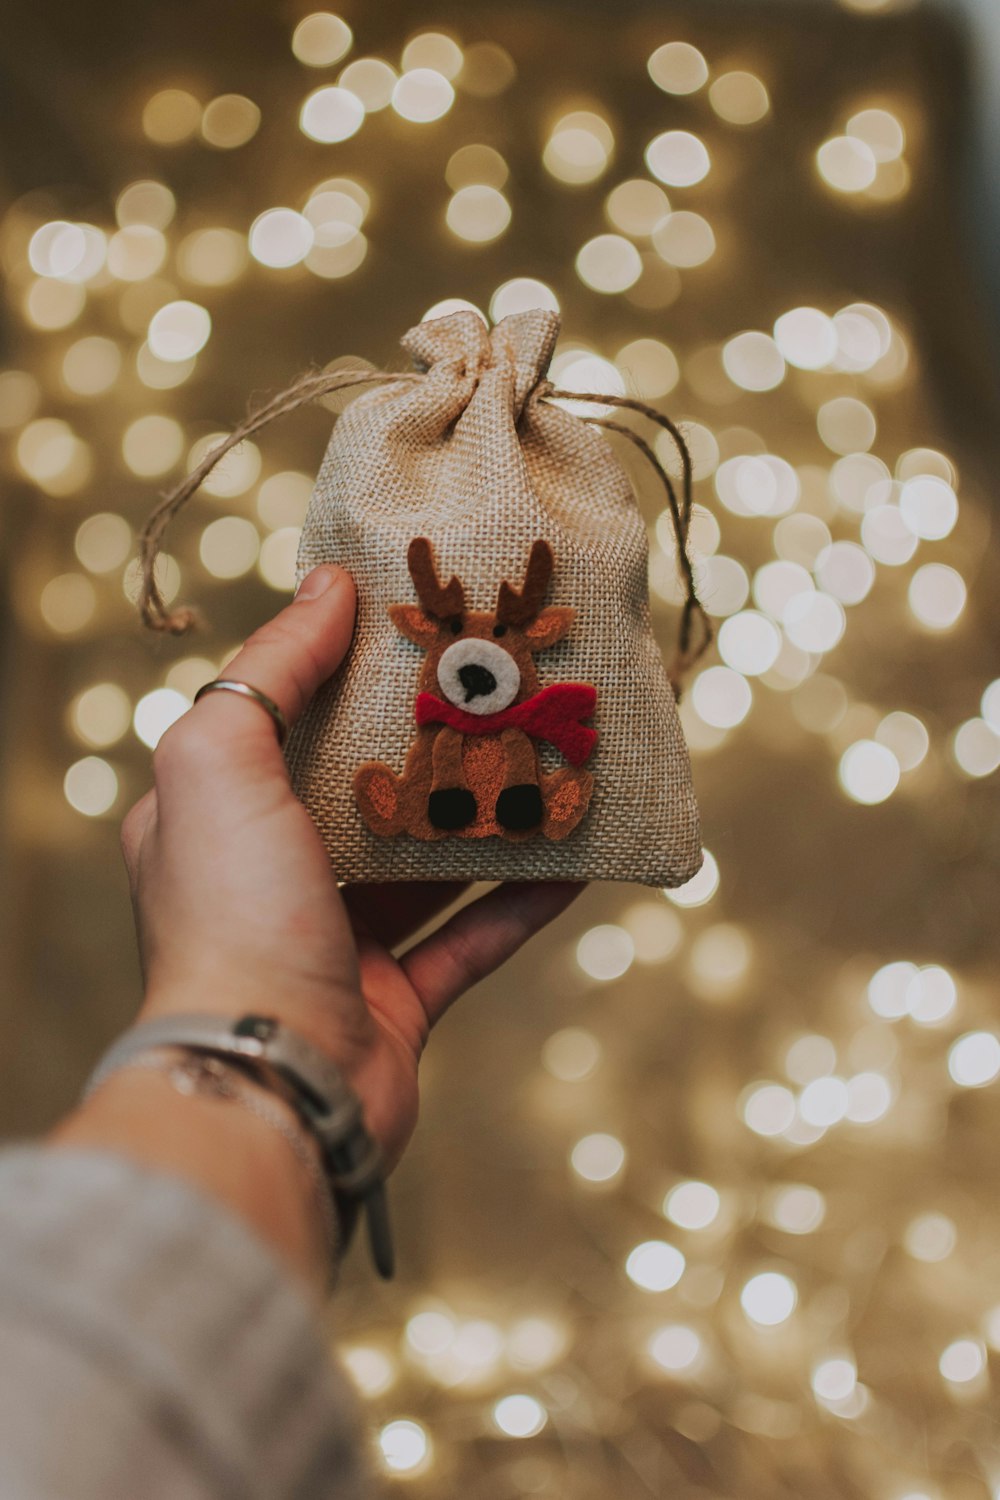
x=289 y=657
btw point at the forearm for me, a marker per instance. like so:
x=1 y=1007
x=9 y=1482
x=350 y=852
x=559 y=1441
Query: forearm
x=217 y=1145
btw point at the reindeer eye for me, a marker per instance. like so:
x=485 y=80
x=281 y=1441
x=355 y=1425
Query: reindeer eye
x=456 y=625
x=499 y=630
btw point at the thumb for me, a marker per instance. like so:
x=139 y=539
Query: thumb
x=290 y=656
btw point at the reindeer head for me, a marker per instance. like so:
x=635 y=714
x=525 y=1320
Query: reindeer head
x=480 y=662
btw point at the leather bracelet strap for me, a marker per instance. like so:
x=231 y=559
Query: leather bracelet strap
x=303 y=1076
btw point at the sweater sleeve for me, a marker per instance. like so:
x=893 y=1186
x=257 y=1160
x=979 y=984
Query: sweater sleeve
x=151 y=1345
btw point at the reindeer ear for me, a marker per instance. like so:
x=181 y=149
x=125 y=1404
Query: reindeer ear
x=413 y=622
x=549 y=626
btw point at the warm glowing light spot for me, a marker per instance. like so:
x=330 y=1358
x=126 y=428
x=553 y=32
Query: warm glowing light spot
x=521 y=295
x=280 y=237
x=678 y=158
x=145 y=202
x=834 y=1380
x=103 y=542
x=636 y=206
x=868 y=772
x=101 y=714
x=189 y=674
x=810 y=1057
x=886 y=536
x=678 y=68
x=519 y=1416
x=91 y=366
x=534 y=1343
x=229 y=547
x=824 y=1101
x=371 y=1370
x=405 y=1447
x=579 y=148
x=797 y=1209
x=769 y=1109
x=723 y=585
x=478 y=214
x=769 y=1299
x=331 y=114
x=605 y=952
x=422 y=95
x=753 y=361
x=136 y=252
x=846 y=164
x=869 y=1098
x=283 y=499
x=650 y=366
x=906 y=737
x=806 y=337
x=846 y=425
x=655 y=929
x=230 y=121
x=929 y=506
x=179 y=330
x=91 y=786
x=721 y=697
x=684 y=239
x=776 y=583
x=814 y=621
x=749 y=643
x=976 y=748
x=675 y=1347
x=701 y=887
x=435 y=50
x=452 y=305
x=608 y=263
x=372 y=80
x=338 y=250
x=171 y=116
x=930 y=1237
x=212 y=257
x=937 y=596
x=880 y=131
x=278 y=552
x=19 y=398
x=692 y=1205
x=846 y=571
x=571 y=1055
x=321 y=39
x=476 y=166
x=739 y=98
x=974 y=1059
x=155 y=712
x=655 y=1266
x=598 y=1158
x=962 y=1361
x=234 y=473
x=152 y=445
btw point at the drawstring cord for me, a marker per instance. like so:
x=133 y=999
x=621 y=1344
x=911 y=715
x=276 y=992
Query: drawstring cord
x=316 y=384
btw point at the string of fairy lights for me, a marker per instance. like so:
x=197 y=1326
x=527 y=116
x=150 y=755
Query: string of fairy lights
x=849 y=530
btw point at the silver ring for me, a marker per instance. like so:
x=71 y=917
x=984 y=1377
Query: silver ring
x=229 y=685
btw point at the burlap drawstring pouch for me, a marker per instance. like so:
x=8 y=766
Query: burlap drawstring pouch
x=504 y=712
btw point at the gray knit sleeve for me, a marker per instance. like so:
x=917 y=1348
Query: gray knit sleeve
x=151 y=1346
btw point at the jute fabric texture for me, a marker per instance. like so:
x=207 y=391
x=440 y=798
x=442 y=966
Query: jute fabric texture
x=472 y=456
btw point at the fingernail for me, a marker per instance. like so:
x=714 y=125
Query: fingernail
x=317 y=582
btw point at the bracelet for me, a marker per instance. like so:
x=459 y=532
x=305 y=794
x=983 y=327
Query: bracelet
x=308 y=1080
x=201 y=1073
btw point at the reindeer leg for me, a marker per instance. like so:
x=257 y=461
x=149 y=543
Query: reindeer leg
x=450 y=804
x=567 y=797
x=519 y=805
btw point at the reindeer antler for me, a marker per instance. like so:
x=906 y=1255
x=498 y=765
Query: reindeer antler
x=442 y=601
x=520 y=608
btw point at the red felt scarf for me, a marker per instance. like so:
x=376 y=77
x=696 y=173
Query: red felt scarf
x=553 y=715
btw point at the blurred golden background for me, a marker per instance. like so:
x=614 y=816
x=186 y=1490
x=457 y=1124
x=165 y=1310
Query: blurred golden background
x=703 y=1202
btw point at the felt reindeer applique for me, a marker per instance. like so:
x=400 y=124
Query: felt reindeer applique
x=473 y=769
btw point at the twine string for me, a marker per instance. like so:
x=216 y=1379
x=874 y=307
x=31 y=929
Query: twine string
x=693 y=611
x=310 y=387
x=316 y=384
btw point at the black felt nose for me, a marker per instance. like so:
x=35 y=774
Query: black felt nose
x=477 y=681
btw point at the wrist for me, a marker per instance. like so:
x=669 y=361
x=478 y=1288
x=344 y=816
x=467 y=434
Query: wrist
x=222 y=1148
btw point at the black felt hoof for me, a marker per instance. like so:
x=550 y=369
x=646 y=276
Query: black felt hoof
x=520 y=808
x=454 y=807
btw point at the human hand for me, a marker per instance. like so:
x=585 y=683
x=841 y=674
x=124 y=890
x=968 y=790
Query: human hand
x=237 y=908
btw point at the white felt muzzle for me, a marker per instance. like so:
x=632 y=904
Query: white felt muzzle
x=478 y=676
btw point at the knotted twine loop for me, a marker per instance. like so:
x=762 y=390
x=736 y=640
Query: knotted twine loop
x=310 y=387
x=693 y=611
x=316 y=384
